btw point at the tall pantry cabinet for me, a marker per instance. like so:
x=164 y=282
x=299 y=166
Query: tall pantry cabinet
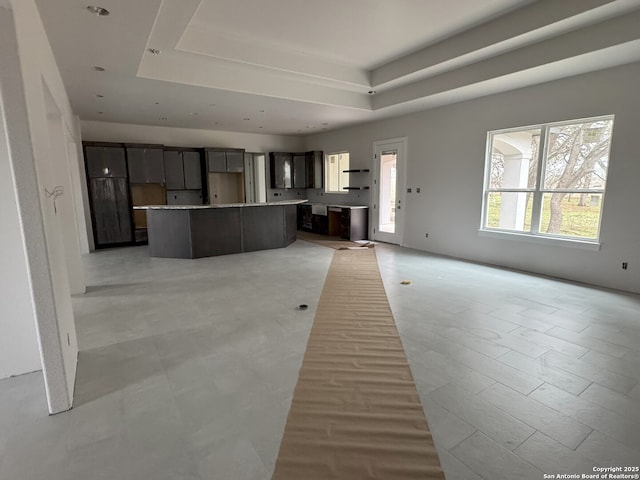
x=109 y=194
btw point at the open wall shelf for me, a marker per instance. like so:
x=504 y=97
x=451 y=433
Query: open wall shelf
x=356 y=170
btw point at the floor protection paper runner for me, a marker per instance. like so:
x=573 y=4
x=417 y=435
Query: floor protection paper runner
x=356 y=413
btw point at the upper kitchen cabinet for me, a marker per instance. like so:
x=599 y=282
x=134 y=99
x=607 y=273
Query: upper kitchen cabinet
x=235 y=161
x=182 y=169
x=216 y=161
x=225 y=160
x=297 y=170
x=300 y=179
x=146 y=164
x=173 y=170
x=192 y=163
x=105 y=161
x=315 y=169
x=281 y=169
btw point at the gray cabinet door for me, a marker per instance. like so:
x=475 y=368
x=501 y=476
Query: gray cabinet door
x=192 y=170
x=146 y=165
x=299 y=171
x=217 y=161
x=235 y=161
x=112 y=217
x=105 y=162
x=173 y=170
x=281 y=169
x=315 y=162
x=184 y=197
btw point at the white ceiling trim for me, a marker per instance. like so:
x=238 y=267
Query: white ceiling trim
x=529 y=24
x=604 y=35
x=189 y=69
x=200 y=40
x=515 y=42
x=588 y=62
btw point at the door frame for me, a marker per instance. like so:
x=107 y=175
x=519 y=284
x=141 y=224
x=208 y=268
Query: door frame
x=396 y=238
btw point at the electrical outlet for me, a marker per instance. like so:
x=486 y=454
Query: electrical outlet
x=426 y=235
x=625 y=265
x=418 y=190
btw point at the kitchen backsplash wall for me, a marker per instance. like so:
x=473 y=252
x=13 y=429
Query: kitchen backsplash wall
x=316 y=195
x=354 y=197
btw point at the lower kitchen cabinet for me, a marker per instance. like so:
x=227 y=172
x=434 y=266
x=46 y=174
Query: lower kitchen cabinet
x=305 y=217
x=320 y=224
x=354 y=223
x=348 y=222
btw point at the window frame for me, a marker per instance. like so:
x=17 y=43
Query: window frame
x=539 y=191
x=327 y=156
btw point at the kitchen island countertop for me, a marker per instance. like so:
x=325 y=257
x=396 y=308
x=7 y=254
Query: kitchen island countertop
x=218 y=205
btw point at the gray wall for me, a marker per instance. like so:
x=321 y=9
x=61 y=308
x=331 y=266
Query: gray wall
x=446 y=155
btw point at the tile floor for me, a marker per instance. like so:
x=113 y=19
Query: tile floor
x=187 y=367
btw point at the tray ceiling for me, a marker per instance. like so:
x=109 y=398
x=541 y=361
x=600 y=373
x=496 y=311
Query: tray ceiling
x=292 y=67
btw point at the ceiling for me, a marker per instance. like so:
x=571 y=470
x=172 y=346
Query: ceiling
x=299 y=67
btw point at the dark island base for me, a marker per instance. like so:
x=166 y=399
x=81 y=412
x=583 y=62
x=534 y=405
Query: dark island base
x=207 y=232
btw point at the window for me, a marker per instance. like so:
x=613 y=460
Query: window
x=548 y=180
x=336 y=178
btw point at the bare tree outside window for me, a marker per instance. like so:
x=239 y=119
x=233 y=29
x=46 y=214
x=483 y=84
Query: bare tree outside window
x=577 y=161
x=554 y=189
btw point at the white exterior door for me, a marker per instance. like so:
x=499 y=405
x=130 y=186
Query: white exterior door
x=389 y=170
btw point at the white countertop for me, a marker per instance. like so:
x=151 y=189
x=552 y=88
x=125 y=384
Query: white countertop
x=219 y=205
x=339 y=206
x=348 y=206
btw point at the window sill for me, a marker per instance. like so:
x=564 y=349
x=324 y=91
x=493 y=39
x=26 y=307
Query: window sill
x=540 y=240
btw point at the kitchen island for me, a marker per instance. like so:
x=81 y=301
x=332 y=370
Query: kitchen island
x=195 y=231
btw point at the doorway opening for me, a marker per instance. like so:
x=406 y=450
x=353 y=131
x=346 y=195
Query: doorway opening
x=389 y=186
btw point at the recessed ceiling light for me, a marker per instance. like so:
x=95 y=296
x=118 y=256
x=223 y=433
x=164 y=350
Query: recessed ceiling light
x=102 y=12
x=99 y=96
x=154 y=51
x=371 y=92
x=98 y=69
